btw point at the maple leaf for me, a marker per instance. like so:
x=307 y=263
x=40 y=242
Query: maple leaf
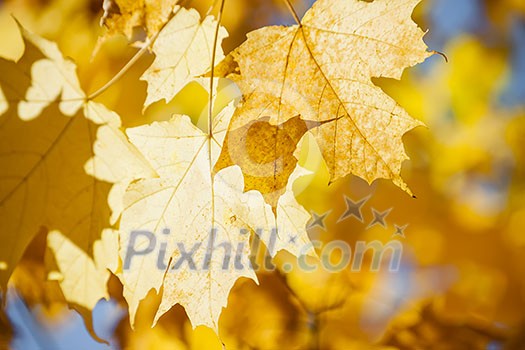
x=197 y=206
x=28 y=162
x=265 y=153
x=321 y=69
x=122 y=16
x=51 y=77
x=184 y=50
x=57 y=170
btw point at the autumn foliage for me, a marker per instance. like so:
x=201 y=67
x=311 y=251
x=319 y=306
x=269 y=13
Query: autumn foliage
x=198 y=178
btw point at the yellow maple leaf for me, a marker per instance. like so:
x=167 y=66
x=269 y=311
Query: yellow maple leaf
x=198 y=211
x=321 y=69
x=265 y=153
x=51 y=76
x=122 y=16
x=57 y=170
x=184 y=50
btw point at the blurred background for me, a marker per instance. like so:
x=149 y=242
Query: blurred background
x=461 y=284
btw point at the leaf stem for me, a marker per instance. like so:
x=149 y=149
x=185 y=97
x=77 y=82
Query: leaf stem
x=293 y=12
x=210 y=9
x=441 y=54
x=213 y=58
x=123 y=70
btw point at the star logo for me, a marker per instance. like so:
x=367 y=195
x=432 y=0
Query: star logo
x=353 y=209
x=379 y=217
x=400 y=230
x=292 y=239
x=318 y=220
